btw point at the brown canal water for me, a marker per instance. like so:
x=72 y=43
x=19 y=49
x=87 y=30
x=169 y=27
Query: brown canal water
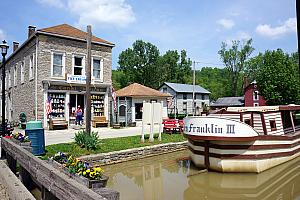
x=173 y=177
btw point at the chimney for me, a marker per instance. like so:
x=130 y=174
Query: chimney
x=15 y=46
x=245 y=82
x=31 y=30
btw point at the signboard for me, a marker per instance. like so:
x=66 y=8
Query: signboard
x=213 y=126
x=76 y=88
x=76 y=78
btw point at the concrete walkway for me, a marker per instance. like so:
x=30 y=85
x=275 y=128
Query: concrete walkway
x=65 y=136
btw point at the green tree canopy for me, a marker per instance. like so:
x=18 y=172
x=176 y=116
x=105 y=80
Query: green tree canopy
x=234 y=59
x=143 y=64
x=277 y=76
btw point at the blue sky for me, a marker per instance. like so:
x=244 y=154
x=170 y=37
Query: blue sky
x=198 y=26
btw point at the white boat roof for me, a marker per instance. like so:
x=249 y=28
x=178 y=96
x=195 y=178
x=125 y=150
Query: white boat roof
x=263 y=108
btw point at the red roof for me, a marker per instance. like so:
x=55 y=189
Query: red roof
x=70 y=31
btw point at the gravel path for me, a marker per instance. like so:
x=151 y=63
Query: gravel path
x=3 y=193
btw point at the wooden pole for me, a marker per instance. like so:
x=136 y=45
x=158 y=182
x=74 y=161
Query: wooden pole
x=298 y=29
x=88 y=81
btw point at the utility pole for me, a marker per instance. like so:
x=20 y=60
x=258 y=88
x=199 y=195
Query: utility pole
x=88 y=81
x=298 y=29
x=194 y=88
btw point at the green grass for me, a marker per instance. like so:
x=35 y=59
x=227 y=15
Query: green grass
x=111 y=144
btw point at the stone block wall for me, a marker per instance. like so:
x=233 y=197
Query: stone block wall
x=22 y=95
x=133 y=154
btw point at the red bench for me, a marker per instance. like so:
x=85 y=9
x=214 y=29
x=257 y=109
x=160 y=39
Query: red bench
x=170 y=126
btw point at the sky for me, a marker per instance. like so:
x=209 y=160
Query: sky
x=197 y=26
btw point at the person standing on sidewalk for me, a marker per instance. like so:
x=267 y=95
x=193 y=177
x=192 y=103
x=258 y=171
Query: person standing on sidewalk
x=78 y=115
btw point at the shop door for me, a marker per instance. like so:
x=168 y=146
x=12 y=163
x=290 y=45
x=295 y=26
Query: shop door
x=75 y=101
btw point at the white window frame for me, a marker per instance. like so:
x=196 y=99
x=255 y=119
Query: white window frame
x=101 y=68
x=31 y=66
x=22 y=72
x=15 y=75
x=255 y=104
x=63 y=64
x=83 y=63
x=255 y=99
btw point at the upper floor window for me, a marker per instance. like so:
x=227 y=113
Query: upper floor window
x=273 y=125
x=15 y=76
x=184 y=96
x=202 y=96
x=165 y=90
x=31 y=64
x=22 y=72
x=78 y=65
x=58 y=68
x=255 y=95
x=98 y=69
x=256 y=104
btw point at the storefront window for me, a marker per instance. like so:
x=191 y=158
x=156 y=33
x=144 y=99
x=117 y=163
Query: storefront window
x=97 y=104
x=57 y=107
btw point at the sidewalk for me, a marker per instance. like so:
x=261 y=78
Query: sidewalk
x=67 y=135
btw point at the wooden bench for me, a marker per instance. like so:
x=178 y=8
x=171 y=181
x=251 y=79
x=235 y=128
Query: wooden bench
x=99 y=120
x=57 y=123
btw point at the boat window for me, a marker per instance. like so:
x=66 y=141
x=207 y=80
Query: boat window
x=248 y=121
x=273 y=125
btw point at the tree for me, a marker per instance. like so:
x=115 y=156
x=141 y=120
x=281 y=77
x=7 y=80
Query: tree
x=234 y=59
x=214 y=80
x=119 y=79
x=277 y=76
x=139 y=63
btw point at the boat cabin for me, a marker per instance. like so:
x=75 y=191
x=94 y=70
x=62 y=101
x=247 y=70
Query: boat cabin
x=266 y=120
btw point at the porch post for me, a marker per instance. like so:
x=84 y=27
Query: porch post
x=292 y=120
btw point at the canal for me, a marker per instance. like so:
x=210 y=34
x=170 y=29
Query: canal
x=173 y=177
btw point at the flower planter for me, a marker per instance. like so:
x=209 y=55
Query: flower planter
x=80 y=179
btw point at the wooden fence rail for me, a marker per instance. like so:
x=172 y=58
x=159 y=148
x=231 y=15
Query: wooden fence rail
x=53 y=183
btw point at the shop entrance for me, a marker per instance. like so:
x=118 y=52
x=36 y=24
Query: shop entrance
x=75 y=101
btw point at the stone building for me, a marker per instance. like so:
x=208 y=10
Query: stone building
x=50 y=67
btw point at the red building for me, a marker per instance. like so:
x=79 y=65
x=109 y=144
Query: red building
x=252 y=96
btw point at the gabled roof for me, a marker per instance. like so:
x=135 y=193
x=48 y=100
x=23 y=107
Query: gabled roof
x=138 y=90
x=186 y=88
x=70 y=31
x=229 y=101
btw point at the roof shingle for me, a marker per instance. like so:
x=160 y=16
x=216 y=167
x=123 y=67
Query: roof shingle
x=186 y=88
x=138 y=90
x=70 y=31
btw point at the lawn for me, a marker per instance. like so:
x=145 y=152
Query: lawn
x=111 y=144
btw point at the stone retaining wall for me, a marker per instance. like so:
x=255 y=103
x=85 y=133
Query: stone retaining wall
x=133 y=154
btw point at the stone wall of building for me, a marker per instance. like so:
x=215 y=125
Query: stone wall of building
x=22 y=95
x=133 y=154
x=49 y=44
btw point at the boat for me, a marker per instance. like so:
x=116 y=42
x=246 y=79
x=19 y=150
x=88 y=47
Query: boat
x=244 y=139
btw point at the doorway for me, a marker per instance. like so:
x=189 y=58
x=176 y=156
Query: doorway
x=75 y=101
x=138 y=111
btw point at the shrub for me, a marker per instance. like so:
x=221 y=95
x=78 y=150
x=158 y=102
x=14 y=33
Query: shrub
x=85 y=140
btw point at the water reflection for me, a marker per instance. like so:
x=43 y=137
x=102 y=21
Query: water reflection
x=174 y=177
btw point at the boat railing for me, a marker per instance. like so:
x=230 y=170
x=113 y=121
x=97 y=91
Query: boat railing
x=290 y=129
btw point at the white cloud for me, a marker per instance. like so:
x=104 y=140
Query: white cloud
x=275 y=32
x=97 y=12
x=53 y=3
x=242 y=35
x=2 y=35
x=226 y=23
